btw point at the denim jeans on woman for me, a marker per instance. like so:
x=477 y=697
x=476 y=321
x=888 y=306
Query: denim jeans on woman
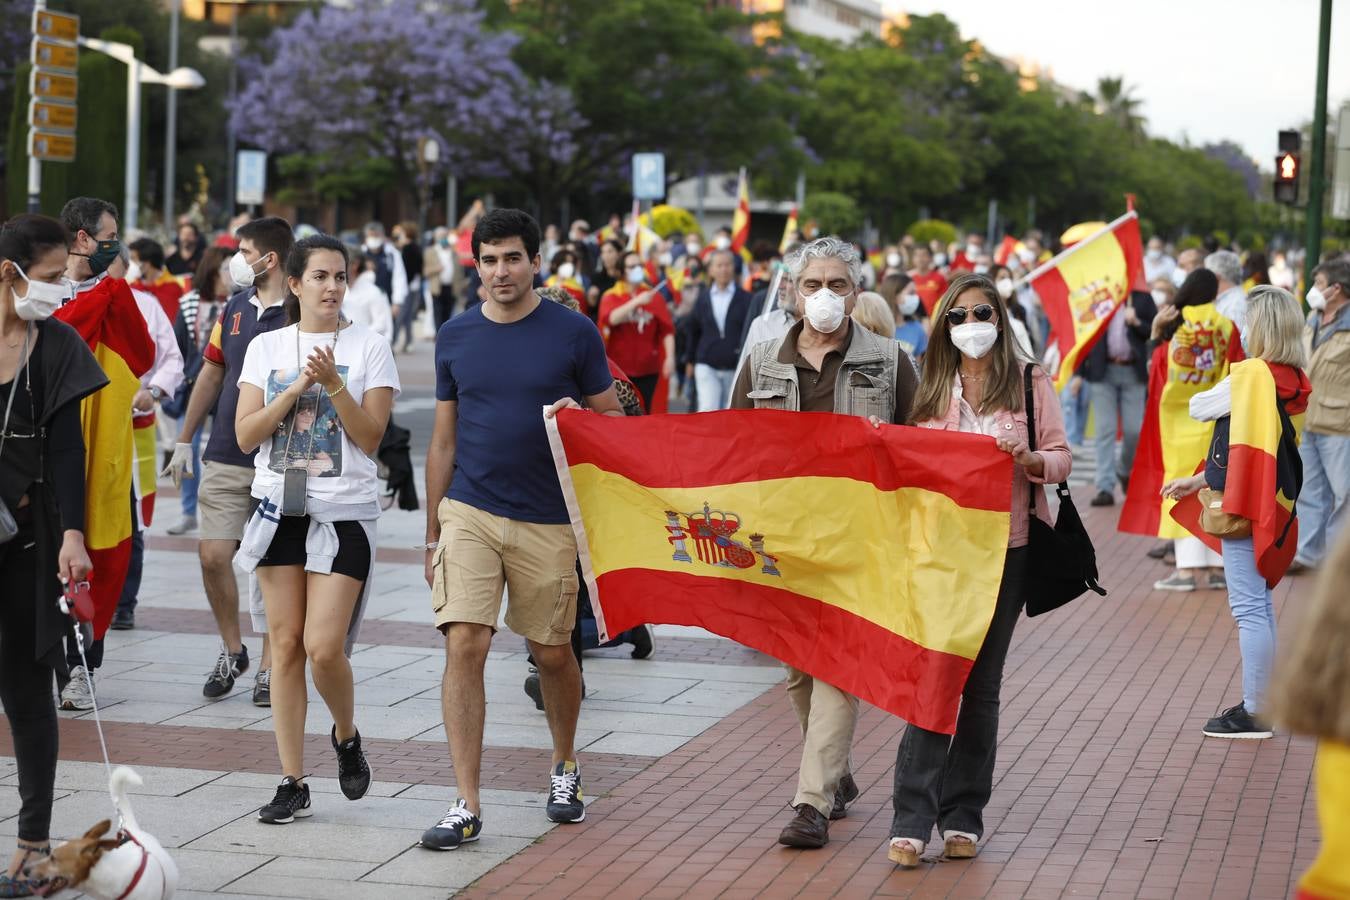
x=946 y=780
x=1249 y=598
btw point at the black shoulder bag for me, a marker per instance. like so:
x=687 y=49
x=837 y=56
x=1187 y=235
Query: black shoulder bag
x=1061 y=563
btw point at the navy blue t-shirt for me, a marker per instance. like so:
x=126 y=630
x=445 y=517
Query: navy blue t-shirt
x=238 y=324
x=502 y=377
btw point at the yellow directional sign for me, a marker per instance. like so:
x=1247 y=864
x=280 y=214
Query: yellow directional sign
x=61 y=26
x=53 y=86
x=50 y=147
x=51 y=116
x=55 y=57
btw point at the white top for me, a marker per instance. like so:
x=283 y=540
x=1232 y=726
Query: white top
x=721 y=303
x=1213 y=404
x=167 y=371
x=338 y=469
x=972 y=422
x=367 y=305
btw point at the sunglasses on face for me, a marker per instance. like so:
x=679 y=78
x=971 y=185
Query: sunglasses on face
x=957 y=314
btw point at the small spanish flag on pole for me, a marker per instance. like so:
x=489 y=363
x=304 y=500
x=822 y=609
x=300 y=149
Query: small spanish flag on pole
x=740 y=222
x=791 y=232
x=868 y=557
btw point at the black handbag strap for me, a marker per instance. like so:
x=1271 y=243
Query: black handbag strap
x=1028 y=379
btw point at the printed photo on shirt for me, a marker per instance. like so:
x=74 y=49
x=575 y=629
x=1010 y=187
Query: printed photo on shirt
x=312 y=427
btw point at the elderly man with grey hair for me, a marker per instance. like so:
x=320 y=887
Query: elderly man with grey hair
x=1232 y=299
x=390 y=273
x=825 y=363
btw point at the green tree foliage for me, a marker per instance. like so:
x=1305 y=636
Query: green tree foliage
x=833 y=213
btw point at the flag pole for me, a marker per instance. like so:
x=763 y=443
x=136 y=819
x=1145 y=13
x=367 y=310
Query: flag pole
x=1065 y=254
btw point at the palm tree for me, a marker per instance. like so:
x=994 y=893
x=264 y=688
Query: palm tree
x=1114 y=100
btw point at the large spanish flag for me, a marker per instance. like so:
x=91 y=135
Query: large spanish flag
x=1082 y=287
x=110 y=322
x=1265 y=471
x=1171 y=443
x=868 y=558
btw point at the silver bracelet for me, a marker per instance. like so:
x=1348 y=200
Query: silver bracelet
x=430 y=545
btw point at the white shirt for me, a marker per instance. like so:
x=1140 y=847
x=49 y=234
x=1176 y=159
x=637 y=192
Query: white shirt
x=1232 y=304
x=1213 y=404
x=1160 y=268
x=970 y=421
x=366 y=305
x=338 y=469
x=721 y=303
x=167 y=371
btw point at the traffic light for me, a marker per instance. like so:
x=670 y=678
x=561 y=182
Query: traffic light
x=1287 y=168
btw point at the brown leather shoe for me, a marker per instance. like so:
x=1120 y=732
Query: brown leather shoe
x=808 y=829
x=845 y=794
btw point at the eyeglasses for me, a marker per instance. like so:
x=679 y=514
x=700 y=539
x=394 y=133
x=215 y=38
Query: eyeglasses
x=957 y=314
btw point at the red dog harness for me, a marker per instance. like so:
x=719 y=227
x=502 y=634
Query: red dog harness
x=128 y=837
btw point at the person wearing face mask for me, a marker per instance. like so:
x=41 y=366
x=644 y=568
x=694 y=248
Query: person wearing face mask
x=973 y=381
x=825 y=363
x=227 y=472
x=637 y=328
x=609 y=273
x=775 y=321
x=565 y=275
x=1326 y=438
x=714 y=331
x=910 y=330
x=46 y=369
x=929 y=283
x=390 y=273
x=1157 y=264
x=1187 y=262
x=147 y=273
x=1002 y=277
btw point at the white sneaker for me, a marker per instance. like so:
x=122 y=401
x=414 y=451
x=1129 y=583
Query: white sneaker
x=184 y=525
x=76 y=695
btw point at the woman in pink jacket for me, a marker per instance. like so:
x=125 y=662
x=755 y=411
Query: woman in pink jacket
x=973 y=381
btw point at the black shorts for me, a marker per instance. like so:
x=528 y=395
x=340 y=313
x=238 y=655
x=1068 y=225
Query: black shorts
x=288 y=547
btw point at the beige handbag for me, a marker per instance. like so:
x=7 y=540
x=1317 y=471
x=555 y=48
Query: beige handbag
x=1217 y=522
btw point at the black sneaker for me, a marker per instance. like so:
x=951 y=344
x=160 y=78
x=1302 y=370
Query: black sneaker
x=262 y=688
x=644 y=641
x=565 y=801
x=533 y=690
x=290 y=803
x=353 y=770
x=123 y=620
x=229 y=666
x=1236 y=722
x=457 y=826
x=1158 y=551
x=845 y=794
x=1103 y=498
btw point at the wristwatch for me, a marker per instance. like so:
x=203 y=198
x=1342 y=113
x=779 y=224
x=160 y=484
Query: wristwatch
x=156 y=393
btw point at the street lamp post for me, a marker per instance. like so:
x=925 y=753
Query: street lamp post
x=138 y=73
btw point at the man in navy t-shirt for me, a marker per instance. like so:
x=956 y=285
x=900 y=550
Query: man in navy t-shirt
x=501 y=367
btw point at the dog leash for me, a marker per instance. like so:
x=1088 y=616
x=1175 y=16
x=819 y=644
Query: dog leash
x=69 y=607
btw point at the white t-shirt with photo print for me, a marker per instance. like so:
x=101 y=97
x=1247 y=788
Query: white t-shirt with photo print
x=338 y=469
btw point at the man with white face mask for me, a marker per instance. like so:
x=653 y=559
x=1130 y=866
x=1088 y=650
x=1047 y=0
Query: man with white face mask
x=223 y=498
x=1157 y=264
x=825 y=364
x=390 y=273
x=1325 y=449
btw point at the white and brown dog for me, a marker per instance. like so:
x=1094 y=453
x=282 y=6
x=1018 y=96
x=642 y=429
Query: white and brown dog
x=129 y=866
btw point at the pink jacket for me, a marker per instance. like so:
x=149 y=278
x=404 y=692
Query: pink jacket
x=1052 y=445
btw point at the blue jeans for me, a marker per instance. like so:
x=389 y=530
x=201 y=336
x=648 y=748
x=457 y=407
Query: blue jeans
x=1249 y=598
x=1075 y=413
x=188 y=492
x=1120 y=392
x=412 y=307
x=1322 y=501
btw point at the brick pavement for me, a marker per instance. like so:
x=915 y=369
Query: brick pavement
x=1104 y=785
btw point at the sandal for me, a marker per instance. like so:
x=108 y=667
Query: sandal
x=905 y=852
x=959 y=845
x=19 y=886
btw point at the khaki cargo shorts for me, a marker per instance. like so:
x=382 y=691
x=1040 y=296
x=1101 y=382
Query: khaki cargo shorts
x=479 y=553
x=224 y=501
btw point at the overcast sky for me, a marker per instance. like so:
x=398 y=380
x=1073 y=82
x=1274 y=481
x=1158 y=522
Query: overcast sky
x=1204 y=69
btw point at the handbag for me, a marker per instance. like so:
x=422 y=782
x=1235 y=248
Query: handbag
x=9 y=529
x=1061 y=561
x=1213 y=520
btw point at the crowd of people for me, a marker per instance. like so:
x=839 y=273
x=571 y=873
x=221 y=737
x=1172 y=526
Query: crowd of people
x=267 y=357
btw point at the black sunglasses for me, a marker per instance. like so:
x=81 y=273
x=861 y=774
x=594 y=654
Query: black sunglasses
x=957 y=314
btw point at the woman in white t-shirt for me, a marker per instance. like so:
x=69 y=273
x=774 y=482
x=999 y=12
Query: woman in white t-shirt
x=314 y=399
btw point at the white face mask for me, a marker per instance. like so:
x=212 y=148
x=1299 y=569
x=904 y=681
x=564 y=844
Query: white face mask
x=1316 y=299
x=940 y=260
x=1154 y=254
x=1178 y=277
x=972 y=250
x=41 y=300
x=1004 y=286
x=692 y=248
x=722 y=242
x=665 y=259
x=893 y=260
x=909 y=304
x=981 y=269
x=825 y=311
x=134 y=272
x=374 y=244
x=241 y=273
x=1160 y=297
x=566 y=271
x=636 y=275
x=975 y=339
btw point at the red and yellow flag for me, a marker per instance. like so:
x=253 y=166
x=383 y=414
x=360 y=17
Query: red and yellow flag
x=1171 y=443
x=1083 y=286
x=740 y=220
x=1264 y=470
x=145 y=471
x=868 y=558
x=110 y=322
x=791 y=232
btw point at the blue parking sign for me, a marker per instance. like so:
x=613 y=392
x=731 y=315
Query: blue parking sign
x=649 y=176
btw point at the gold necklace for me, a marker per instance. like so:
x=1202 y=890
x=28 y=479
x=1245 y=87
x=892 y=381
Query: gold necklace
x=971 y=377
